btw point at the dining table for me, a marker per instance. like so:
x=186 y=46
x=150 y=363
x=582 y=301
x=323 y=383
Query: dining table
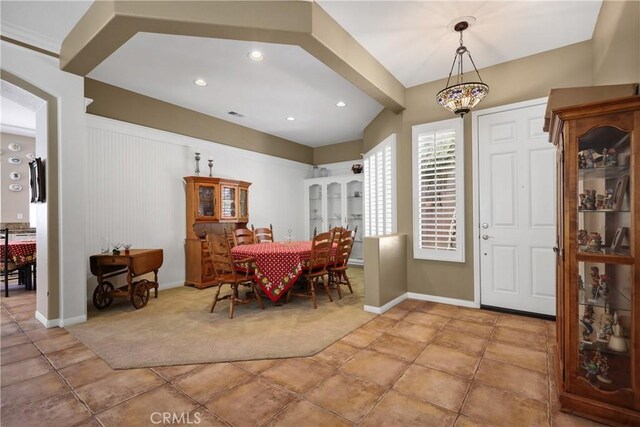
x=277 y=264
x=19 y=252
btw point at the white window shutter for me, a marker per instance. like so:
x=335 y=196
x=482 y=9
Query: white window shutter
x=379 y=189
x=438 y=186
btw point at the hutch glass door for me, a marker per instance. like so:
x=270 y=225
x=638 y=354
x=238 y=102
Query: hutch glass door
x=605 y=274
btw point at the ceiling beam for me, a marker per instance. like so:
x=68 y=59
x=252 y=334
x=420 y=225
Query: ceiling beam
x=107 y=25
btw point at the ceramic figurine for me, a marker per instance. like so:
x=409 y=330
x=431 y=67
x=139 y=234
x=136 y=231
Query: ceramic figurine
x=587 y=200
x=591 y=368
x=611 y=157
x=595 y=242
x=606 y=329
x=583 y=237
x=595 y=283
x=608 y=199
x=602 y=365
x=580 y=282
x=603 y=289
x=600 y=201
x=587 y=323
x=582 y=161
x=589 y=159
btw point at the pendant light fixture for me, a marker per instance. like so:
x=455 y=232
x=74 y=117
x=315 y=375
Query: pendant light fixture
x=461 y=97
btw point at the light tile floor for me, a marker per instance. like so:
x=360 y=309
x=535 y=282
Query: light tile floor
x=418 y=364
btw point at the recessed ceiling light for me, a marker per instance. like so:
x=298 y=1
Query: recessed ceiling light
x=256 y=55
x=290 y=118
x=200 y=82
x=341 y=104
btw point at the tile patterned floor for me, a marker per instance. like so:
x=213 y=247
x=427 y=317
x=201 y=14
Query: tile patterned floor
x=418 y=364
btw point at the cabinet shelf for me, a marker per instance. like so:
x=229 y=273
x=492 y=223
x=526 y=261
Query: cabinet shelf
x=606 y=258
x=601 y=346
x=604 y=172
x=622 y=302
x=604 y=211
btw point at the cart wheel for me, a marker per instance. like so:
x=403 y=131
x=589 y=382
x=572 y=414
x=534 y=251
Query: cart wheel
x=103 y=295
x=140 y=295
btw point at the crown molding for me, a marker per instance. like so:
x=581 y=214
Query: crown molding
x=30 y=37
x=17 y=130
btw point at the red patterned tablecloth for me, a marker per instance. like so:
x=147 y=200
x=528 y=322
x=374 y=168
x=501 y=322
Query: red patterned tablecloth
x=20 y=251
x=278 y=264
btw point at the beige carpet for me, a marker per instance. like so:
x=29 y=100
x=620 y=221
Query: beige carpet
x=177 y=328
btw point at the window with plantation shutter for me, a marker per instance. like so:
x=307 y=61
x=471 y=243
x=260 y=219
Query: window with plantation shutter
x=379 y=189
x=438 y=191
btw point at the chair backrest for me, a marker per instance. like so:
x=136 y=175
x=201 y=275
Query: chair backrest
x=263 y=234
x=344 y=242
x=230 y=237
x=244 y=236
x=220 y=254
x=321 y=246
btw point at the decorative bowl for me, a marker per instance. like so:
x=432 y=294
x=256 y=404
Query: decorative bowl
x=356 y=168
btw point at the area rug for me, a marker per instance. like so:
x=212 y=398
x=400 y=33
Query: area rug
x=177 y=328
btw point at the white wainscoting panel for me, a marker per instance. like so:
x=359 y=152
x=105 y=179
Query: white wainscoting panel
x=136 y=192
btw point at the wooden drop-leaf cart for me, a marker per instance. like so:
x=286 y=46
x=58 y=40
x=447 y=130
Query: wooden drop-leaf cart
x=133 y=263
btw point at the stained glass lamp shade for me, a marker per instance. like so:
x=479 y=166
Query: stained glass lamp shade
x=461 y=97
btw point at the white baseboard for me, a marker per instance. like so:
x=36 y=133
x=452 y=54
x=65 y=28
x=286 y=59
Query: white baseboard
x=46 y=322
x=387 y=306
x=73 y=320
x=443 y=300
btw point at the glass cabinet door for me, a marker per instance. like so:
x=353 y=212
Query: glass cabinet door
x=228 y=210
x=605 y=274
x=244 y=204
x=315 y=209
x=334 y=205
x=355 y=199
x=206 y=201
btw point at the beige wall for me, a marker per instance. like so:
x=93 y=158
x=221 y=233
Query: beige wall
x=341 y=152
x=15 y=202
x=616 y=43
x=384 y=271
x=515 y=81
x=121 y=104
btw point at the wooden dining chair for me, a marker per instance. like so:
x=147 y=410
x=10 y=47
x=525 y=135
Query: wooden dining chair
x=230 y=237
x=316 y=269
x=244 y=236
x=264 y=234
x=337 y=271
x=234 y=273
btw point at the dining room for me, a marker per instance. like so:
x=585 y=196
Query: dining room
x=246 y=209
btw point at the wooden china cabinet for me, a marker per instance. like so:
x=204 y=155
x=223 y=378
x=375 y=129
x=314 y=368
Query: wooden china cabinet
x=213 y=204
x=598 y=275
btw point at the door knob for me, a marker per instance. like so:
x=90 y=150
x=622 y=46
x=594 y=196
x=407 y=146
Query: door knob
x=485 y=225
x=486 y=237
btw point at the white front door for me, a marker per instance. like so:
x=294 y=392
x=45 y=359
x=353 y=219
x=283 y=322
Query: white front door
x=516 y=192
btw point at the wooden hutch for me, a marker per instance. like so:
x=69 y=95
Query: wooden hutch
x=598 y=248
x=213 y=204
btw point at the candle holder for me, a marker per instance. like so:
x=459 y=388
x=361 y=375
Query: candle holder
x=211 y=167
x=197 y=172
